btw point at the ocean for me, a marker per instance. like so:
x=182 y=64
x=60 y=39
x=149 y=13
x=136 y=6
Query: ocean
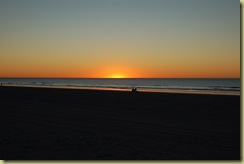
x=189 y=85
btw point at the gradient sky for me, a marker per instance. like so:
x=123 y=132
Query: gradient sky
x=120 y=38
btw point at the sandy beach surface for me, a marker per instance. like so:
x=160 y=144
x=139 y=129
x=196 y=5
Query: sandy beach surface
x=44 y=123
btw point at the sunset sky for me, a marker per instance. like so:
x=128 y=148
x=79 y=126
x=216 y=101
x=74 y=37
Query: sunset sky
x=120 y=38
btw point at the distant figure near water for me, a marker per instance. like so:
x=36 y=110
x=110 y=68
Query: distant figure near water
x=134 y=90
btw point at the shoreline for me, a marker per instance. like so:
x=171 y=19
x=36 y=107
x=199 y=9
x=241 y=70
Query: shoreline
x=129 y=90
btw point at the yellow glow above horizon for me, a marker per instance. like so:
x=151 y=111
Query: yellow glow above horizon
x=116 y=71
x=116 y=76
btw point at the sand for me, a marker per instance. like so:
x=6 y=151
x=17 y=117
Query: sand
x=44 y=123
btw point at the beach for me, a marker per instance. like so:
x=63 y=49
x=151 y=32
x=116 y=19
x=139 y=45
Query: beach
x=52 y=123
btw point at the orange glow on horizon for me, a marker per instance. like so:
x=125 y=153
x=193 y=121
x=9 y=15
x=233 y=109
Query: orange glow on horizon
x=116 y=76
x=115 y=71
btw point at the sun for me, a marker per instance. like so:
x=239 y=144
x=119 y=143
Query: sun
x=115 y=72
x=117 y=76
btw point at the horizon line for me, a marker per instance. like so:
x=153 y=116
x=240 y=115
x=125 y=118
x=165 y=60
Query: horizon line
x=120 y=78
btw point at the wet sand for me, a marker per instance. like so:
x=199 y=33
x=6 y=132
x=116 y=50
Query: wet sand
x=44 y=123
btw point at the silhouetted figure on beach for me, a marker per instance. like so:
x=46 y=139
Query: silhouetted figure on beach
x=134 y=90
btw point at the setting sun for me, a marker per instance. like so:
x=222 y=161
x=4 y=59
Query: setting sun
x=117 y=76
x=116 y=71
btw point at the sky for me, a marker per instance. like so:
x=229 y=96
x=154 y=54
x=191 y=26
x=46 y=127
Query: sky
x=120 y=38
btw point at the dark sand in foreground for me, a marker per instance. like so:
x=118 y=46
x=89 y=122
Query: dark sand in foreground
x=42 y=123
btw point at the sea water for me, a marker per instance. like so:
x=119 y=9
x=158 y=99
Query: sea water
x=220 y=85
